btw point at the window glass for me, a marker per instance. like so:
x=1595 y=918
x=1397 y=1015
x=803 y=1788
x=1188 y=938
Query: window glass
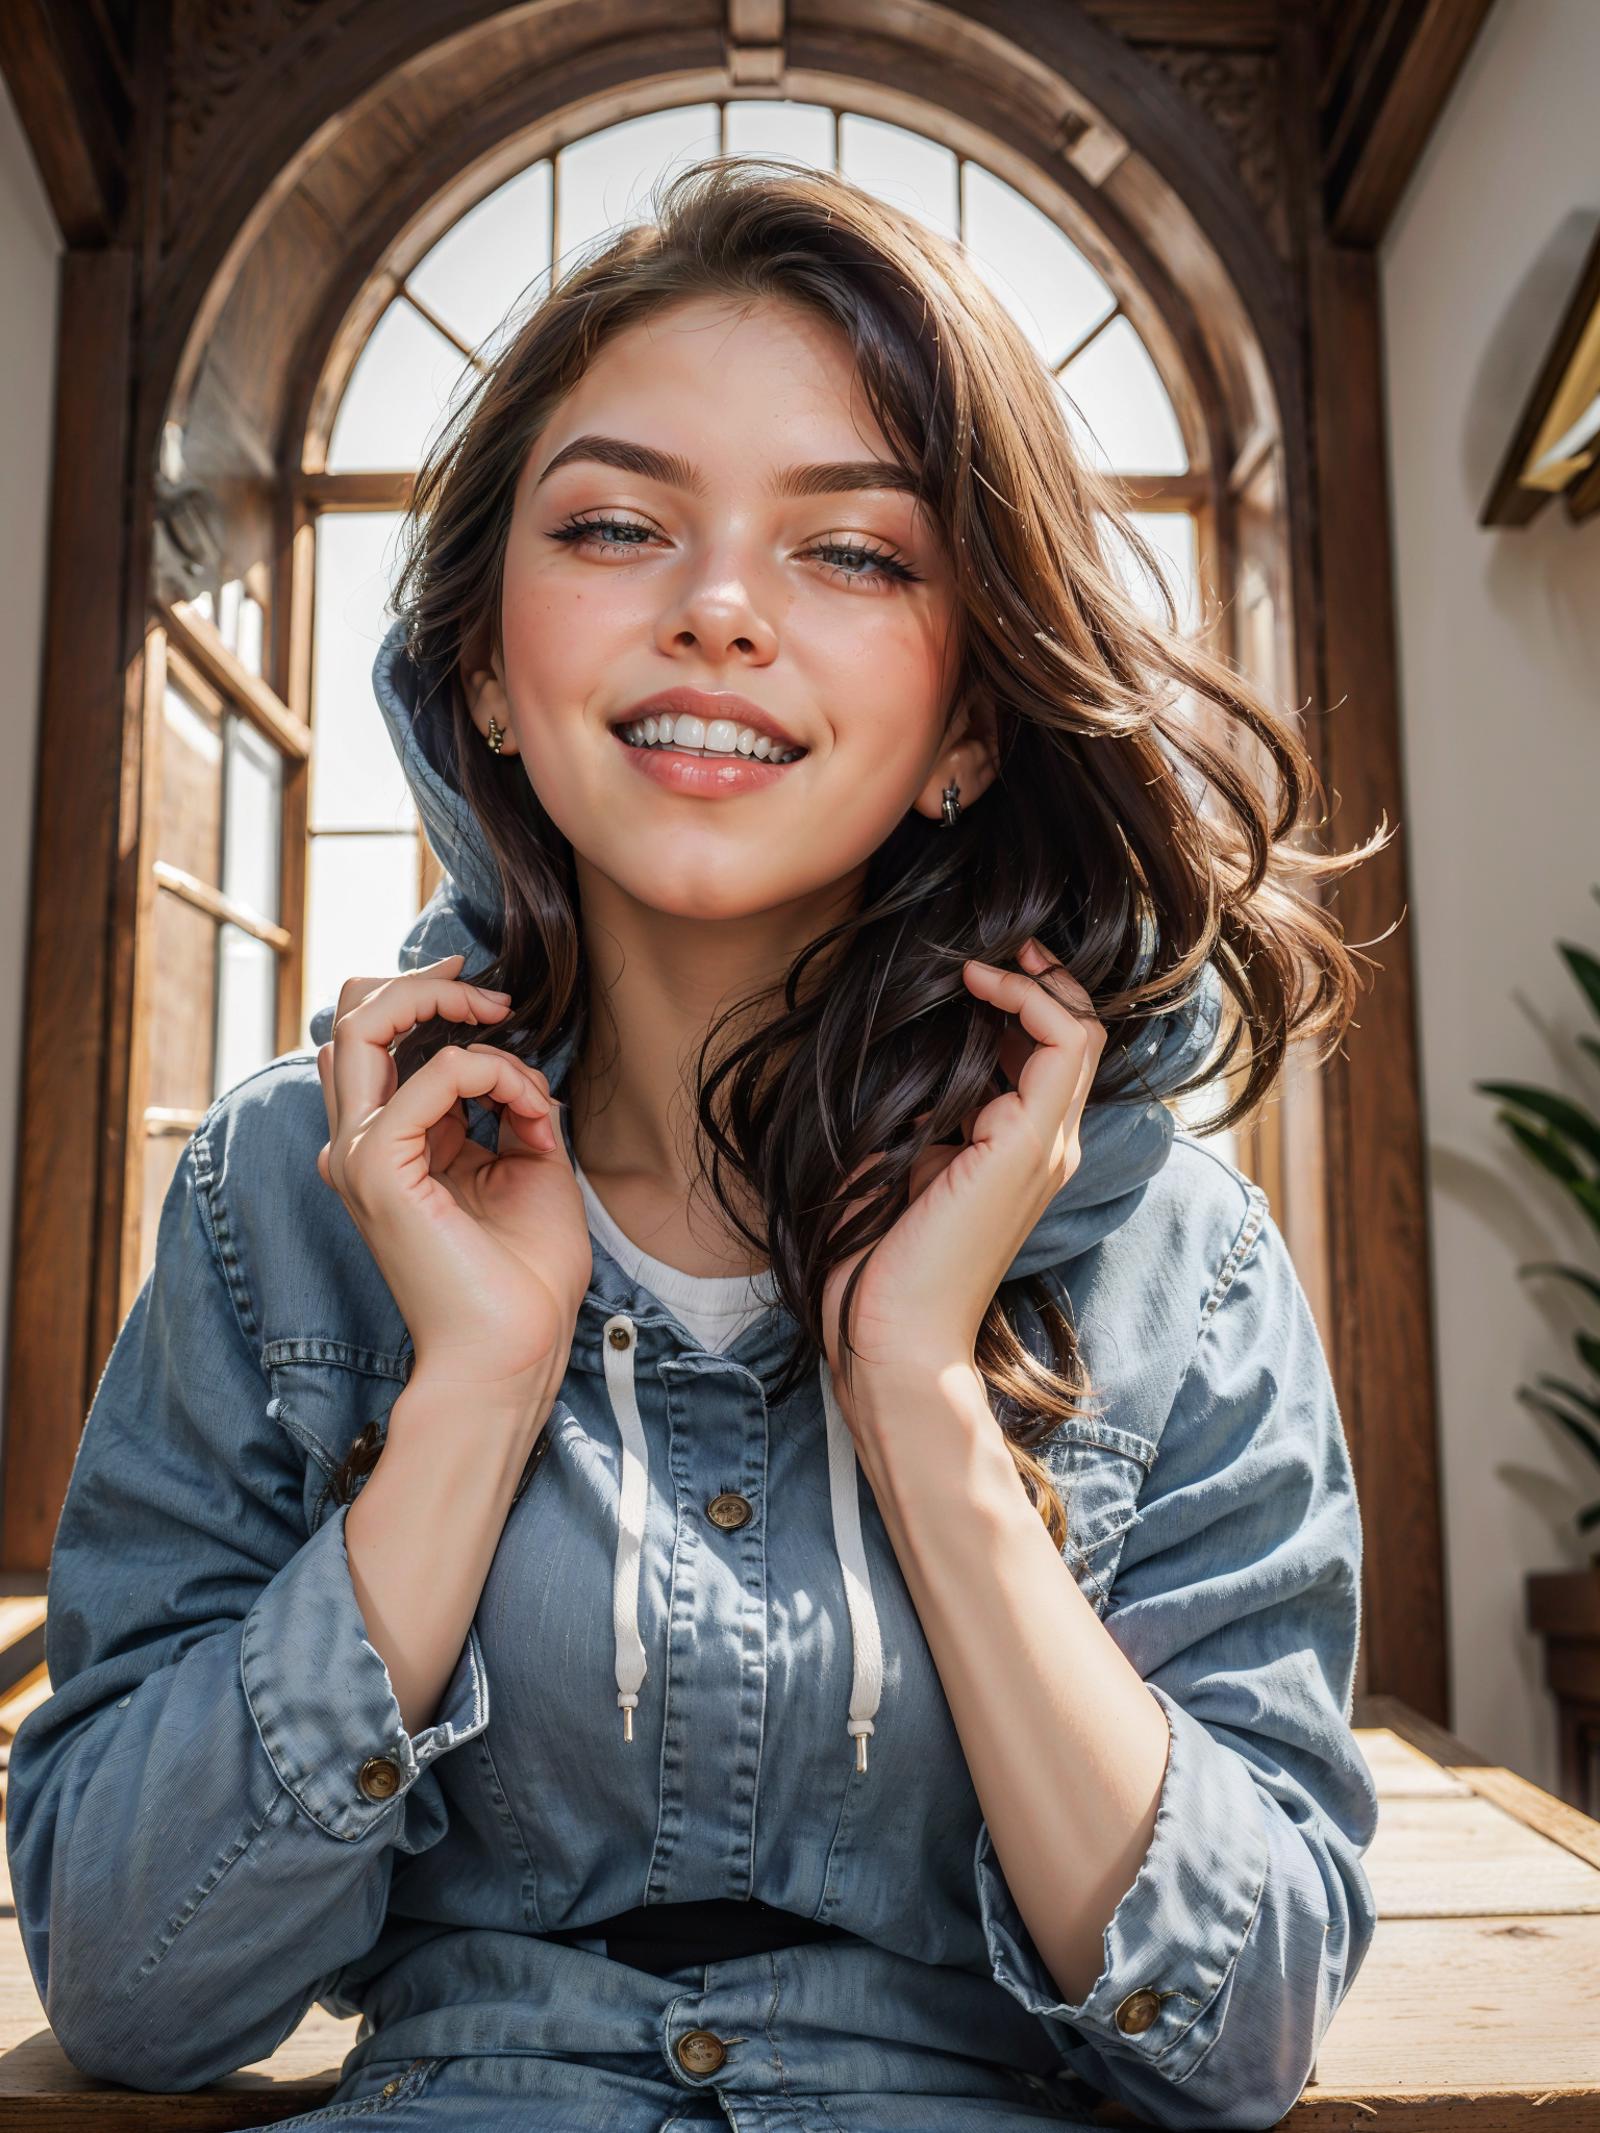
x=356 y=779
x=605 y=179
x=1032 y=265
x=762 y=126
x=1123 y=418
x=904 y=169
x=247 y=1004
x=362 y=894
x=252 y=786
x=1172 y=535
x=399 y=394
x=487 y=266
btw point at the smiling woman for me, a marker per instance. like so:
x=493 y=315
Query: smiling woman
x=1013 y=1453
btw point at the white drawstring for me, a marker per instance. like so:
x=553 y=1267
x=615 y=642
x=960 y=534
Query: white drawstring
x=620 y=1338
x=866 y=1687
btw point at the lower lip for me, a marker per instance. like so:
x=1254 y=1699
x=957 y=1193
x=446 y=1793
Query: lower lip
x=709 y=777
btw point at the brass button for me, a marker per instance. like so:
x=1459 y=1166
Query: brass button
x=702 y=2051
x=390 y=2088
x=379 y=1777
x=1138 y=2011
x=729 y=1510
x=620 y=1337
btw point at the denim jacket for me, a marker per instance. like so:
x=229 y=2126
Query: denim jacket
x=218 y=1818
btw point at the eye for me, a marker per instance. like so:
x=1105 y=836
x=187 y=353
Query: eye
x=579 y=531
x=883 y=567
x=887 y=566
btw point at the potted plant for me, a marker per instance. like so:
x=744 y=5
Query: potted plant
x=1563 y=1137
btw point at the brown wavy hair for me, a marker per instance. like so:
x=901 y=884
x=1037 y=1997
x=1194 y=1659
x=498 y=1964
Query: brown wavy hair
x=1136 y=848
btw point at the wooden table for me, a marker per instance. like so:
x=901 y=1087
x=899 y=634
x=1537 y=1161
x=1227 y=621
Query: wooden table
x=1477 y=2008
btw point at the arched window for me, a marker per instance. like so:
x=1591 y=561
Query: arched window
x=369 y=868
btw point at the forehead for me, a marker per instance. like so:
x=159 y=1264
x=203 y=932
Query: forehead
x=756 y=381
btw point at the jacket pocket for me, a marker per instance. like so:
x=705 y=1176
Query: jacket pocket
x=325 y=1392
x=1099 y=1470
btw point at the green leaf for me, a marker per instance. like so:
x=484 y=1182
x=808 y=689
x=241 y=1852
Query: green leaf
x=1586 y=969
x=1549 y=1152
x=1580 y=1432
x=1573 y=1392
x=1569 y=1119
x=1562 y=1273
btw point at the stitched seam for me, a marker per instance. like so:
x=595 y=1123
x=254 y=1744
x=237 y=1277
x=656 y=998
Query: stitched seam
x=224 y=1255
x=1255 y=1215
x=198 y=1896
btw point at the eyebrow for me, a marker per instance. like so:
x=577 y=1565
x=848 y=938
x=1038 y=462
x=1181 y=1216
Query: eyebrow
x=829 y=478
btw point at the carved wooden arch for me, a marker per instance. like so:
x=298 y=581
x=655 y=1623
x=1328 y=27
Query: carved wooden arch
x=301 y=138
x=1104 y=142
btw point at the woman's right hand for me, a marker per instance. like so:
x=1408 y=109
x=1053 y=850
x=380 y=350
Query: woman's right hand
x=487 y=1254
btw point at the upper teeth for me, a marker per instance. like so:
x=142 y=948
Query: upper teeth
x=720 y=737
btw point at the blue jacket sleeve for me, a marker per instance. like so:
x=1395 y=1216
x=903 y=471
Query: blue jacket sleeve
x=202 y=1817
x=1238 y=1600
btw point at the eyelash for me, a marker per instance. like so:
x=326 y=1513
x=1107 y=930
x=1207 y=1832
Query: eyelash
x=896 y=571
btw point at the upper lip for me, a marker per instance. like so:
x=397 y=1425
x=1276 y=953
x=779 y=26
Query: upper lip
x=709 y=704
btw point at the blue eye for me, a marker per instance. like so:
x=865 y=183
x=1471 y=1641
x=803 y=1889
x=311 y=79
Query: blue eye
x=887 y=566
x=887 y=562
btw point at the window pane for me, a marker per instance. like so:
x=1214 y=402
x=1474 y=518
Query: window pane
x=183 y=986
x=1120 y=396
x=764 y=126
x=252 y=813
x=362 y=898
x=356 y=779
x=1032 y=266
x=485 y=267
x=905 y=169
x=252 y=629
x=247 y=1005
x=1172 y=535
x=398 y=395
x=190 y=830
x=606 y=178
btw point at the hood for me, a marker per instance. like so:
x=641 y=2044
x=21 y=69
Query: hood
x=1123 y=1145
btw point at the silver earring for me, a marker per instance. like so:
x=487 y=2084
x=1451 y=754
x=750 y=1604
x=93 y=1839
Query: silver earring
x=952 y=804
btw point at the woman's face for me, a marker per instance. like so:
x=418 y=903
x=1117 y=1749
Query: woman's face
x=715 y=558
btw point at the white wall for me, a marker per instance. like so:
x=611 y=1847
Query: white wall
x=1500 y=677
x=29 y=249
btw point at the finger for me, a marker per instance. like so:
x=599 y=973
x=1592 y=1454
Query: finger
x=1057 y=1074
x=398 y=1135
x=364 y=1077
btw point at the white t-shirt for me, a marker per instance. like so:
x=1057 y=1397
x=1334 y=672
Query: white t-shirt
x=715 y=1308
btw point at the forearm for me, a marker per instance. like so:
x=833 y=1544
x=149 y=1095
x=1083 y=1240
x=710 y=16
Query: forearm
x=437 y=1500
x=1066 y=1746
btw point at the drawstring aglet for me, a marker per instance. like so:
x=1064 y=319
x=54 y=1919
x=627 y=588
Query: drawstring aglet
x=861 y=1727
x=627 y=1700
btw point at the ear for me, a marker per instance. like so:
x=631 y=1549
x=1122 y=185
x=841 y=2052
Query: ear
x=967 y=761
x=484 y=685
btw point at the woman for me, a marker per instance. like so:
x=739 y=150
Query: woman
x=742 y=1128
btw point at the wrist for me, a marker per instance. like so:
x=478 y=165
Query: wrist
x=512 y=1411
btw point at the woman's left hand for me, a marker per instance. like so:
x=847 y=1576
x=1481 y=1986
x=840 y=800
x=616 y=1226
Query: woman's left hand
x=922 y=1300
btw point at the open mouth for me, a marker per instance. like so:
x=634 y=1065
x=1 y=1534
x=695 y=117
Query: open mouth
x=680 y=737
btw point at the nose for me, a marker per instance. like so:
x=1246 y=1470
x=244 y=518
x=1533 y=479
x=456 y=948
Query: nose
x=715 y=611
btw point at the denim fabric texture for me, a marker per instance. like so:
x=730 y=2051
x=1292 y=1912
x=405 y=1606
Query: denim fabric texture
x=195 y=1863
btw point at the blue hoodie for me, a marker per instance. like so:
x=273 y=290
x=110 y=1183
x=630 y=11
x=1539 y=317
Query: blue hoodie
x=218 y=1817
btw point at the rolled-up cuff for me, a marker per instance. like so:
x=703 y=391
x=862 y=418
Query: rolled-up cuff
x=1178 y=1931
x=322 y=1699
